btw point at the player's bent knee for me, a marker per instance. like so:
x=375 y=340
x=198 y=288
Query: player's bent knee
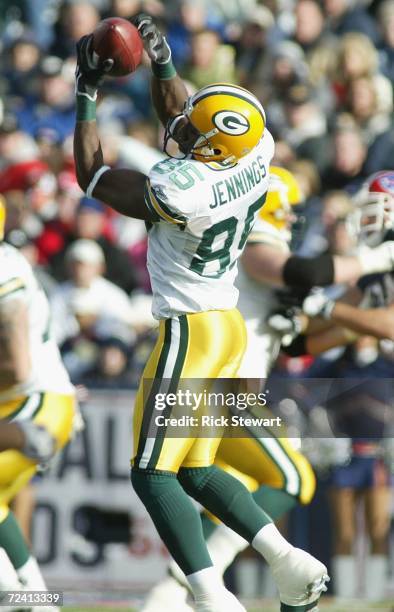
x=153 y=485
x=194 y=480
x=214 y=489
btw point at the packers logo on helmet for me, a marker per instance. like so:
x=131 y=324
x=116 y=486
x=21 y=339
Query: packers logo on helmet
x=2 y=217
x=231 y=122
x=283 y=192
x=221 y=122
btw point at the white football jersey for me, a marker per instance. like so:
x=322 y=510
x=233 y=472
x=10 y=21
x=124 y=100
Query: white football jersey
x=256 y=301
x=203 y=216
x=17 y=282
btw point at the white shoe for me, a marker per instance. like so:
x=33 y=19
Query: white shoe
x=223 y=601
x=300 y=579
x=167 y=595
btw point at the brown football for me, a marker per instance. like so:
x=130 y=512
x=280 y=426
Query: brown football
x=118 y=39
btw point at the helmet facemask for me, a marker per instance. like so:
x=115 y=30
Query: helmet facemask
x=373 y=217
x=189 y=140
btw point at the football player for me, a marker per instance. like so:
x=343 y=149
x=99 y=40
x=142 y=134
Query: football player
x=277 y=474
x=372 y=221
x=34 y=388
x=371 y=313
x=201 y=209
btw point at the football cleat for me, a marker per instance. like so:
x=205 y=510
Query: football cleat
x=300 y=579
x=223 y=601
x=168 y=594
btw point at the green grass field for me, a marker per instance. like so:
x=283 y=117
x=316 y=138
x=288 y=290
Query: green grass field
x=268 y=607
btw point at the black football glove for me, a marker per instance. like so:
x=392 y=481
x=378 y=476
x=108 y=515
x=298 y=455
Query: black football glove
x=155 y=43
x=90 y=72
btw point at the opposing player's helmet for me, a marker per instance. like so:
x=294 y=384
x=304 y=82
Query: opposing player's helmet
x=220 y=122
x=2 y=217
x=283 y=193
x=374 y=212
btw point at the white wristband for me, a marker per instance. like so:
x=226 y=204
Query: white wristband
x=95 y=180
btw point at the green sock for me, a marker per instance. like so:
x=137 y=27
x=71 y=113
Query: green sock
x=176 y=519
x=305 y=608
x=13 y=542
x=226 y=497
x=208 y=525
x=274 y=502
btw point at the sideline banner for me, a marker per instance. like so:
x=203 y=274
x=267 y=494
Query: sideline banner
x=94 y=471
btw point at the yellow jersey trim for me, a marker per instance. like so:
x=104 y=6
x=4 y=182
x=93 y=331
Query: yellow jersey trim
x=153 y=200
x=14 y=284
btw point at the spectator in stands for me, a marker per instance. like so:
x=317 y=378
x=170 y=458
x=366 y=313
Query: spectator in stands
x=87 y=300
x=184 y=19
x=363 y=105
x=280 y=70
x=20 y=76
x=76 y=19
x=253 y=44
x=306 y=129
x=307 y=177
x=128 y=8
x=309 y=25
x=54 y=108
x=316 y=40
x=111 y=368
x=381 y=153
x=350 y=152
x=92 y=223
x=15 y=144
x=386 y=23
x=337 y=206
x=210 y=61
x=124 y=8
x=357 y=57
x=348 y=16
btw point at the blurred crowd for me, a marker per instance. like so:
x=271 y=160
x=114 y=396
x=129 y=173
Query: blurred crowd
x=323 y=70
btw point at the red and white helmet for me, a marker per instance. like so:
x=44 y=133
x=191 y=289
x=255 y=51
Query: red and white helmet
x=374 y=214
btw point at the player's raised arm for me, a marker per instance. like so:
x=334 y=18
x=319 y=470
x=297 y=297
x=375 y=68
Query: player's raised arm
x=168 y=90
x=120 y=189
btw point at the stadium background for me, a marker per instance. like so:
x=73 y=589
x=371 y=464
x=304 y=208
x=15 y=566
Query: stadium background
x=324 y=72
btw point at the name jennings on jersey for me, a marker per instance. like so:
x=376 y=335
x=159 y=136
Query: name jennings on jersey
x=239 y=184
x=203 y=214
